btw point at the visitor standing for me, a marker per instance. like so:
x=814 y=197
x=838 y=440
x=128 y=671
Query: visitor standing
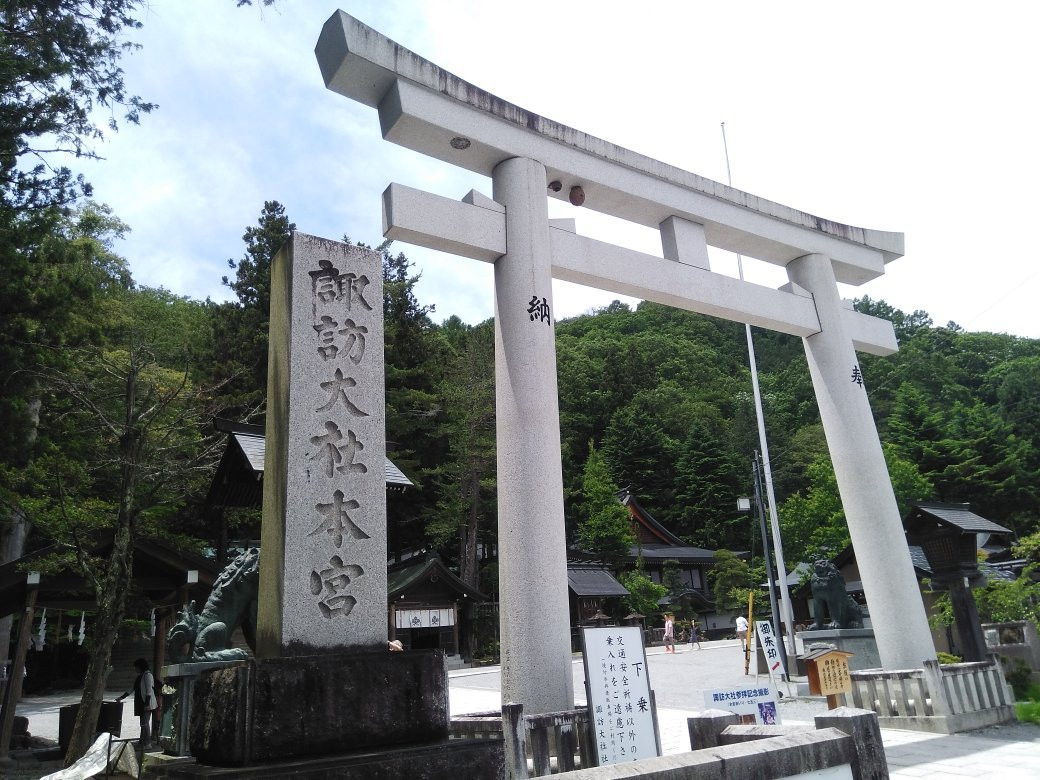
x=144 y=701
x=742 y=631
x=669 y=633
x=695 y=635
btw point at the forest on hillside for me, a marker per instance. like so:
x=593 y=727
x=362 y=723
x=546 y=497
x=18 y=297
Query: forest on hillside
x=662 y=396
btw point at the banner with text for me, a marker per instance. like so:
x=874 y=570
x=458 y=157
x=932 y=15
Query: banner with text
x=754 y=705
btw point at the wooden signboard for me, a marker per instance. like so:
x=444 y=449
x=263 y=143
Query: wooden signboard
x=828 y=672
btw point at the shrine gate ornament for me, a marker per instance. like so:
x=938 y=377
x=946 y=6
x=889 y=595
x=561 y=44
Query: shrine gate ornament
x=530 y=158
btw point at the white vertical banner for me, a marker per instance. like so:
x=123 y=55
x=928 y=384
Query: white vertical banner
x=766 y=641
x=618 y=687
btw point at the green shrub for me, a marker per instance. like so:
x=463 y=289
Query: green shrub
x=948 y=658
x=1018 y=677
x=1028 y=711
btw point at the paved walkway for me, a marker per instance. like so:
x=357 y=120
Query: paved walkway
x=1007 y=752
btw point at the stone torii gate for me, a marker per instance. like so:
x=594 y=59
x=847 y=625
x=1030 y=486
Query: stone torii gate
x=528 y=158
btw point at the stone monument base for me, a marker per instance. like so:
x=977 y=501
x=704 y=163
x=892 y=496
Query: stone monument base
x=441 y=760
x=305 y=707
x=858 y=641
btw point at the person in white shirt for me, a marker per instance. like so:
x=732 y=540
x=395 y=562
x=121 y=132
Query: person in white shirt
x=742 y=631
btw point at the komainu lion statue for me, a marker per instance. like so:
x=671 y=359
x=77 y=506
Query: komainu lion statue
x=206 y=636
x=828 y=592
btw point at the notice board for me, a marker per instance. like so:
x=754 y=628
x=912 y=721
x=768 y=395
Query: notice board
x=617 y=684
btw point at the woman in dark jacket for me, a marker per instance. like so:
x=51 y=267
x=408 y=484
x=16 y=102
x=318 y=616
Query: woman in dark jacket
x=144 y=700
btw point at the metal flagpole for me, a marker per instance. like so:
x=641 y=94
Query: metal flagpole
x=778 y=549
x=765 y=554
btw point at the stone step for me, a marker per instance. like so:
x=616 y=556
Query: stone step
x=455 y=662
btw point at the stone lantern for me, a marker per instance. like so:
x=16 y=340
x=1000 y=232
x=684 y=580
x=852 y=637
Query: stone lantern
x=948 y=534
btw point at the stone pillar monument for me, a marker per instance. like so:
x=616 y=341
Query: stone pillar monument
x=532 y=546
x=896 y=609
x=323 y=556
x=325 y=696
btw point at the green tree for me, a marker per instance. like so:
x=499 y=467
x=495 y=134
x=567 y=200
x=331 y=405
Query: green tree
x=415 y=356
x=643 y=593
x=240 y=328
x=987 y=465
x=465 y=480
x=60 y=66
x=708 y=483
x=998 y=601
x=730 y=579
x=813 y=523
x=1028 y=547
x=125 y=452
x=54 y=292
x=606 y=530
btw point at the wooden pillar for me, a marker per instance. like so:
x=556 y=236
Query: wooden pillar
x=966 y=616
x=14 y=685
x=163 y=623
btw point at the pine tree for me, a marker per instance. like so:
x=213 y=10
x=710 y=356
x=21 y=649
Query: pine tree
x=465 y=480
x=606 y=529
x=240 y=328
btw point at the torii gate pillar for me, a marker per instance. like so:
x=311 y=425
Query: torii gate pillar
x=532 y=545
x=889 y=583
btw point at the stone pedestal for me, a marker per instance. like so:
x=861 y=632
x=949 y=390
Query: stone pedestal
x=311 y=706
x=858 y=641
x=174 y=729
x=440 y=760
x=341 y=716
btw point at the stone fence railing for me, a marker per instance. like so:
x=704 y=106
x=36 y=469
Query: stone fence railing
x=944 y=699
x=539 y=744
x=535 y=745
x=845 y=743
x=1016 y=643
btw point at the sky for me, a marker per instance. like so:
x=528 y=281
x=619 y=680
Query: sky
x=916 y=117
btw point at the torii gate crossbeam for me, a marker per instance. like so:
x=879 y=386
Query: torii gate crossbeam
x=427 y=109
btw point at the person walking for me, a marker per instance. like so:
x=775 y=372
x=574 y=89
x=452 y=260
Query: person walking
x=695 y=635
x=742 y=632
x=145 y=701
x=669 y=633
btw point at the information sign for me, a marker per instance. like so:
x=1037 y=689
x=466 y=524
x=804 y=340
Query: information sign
x=618 y=689
x=754 y=705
